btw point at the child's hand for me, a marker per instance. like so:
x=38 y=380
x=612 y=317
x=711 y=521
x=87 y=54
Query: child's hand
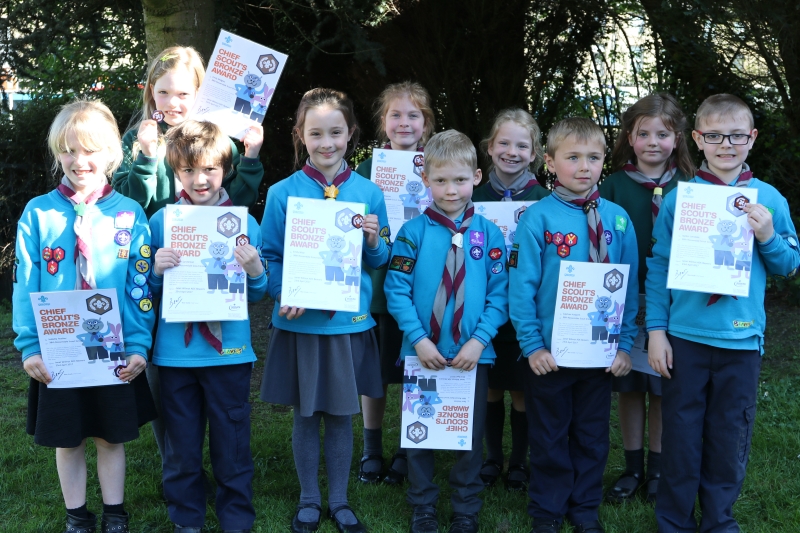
x=468 y=355
x=252 y=140
x=148 y=137
x=165 y=258
x=542 y=362
x=370 y=228
x=429 y=356
x=760 y=220
x=35 y=368
x=621 y=365
x=659 y=352
x=248 y=257
x=135 y=366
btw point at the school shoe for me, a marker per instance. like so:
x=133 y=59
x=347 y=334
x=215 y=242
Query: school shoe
x=370 y=477
x=464 y=523
x=540 y=525
x=625 y=487
x=651 y=484
x=423 y=520
x=517 y=478
x=358 y=527
x=115 y=523
x=490 y=472
x=395 y=477
x=81 y=525
x=592 y=526
x=298 y=526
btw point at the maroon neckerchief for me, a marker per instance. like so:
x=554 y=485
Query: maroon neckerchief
x=598 y=248
x=742 y=181
x=648 y=183
x=316 y=175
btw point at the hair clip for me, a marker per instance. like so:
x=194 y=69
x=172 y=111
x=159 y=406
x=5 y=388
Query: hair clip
x=167 y=57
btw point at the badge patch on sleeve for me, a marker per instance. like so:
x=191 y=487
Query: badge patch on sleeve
x=402 y=264
x=122 y=253
x=407 y=241
x=512 y=259
x=620 y=223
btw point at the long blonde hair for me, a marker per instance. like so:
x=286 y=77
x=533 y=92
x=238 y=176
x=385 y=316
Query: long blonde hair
x=169 y=60
x=95 y=127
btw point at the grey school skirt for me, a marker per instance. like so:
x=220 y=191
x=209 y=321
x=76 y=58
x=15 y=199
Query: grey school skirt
x=321 y=372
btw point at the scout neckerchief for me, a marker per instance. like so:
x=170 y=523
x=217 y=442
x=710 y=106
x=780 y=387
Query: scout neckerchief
x=85 y=279
x=742 y=181
x=331 y=190
x=211 y=331
x=657 y=185
x=521 y=184
x=598 y=248
x=454 y=273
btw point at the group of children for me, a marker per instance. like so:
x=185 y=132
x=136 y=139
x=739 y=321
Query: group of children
x=320 y=362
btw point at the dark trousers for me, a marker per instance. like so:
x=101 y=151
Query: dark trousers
x=708 y=410
x=188 y=397
x=465 y=479
x=568 y=415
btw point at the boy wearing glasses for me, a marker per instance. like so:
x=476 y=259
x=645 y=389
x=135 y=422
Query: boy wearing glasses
x=708 y=347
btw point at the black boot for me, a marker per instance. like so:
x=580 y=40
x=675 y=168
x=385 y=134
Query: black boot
x=115 y=523
x=81 y=525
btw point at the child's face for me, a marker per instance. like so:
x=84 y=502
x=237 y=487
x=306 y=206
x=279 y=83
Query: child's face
x=85 y=169
x=725 y=159
x=652 y=142
x=511 y=151
x=325 y=136
x=405 y=124
x=174 y=94
x=451 y=186
x=577 y=164
x=202 y=182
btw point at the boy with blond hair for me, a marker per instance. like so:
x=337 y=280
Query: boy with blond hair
x=568 y=408
x=442 y=324
x=707 y=346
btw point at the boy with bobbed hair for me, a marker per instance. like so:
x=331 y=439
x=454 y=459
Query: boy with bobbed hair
x=197 y=141
x=442 y=324
x=708 y=346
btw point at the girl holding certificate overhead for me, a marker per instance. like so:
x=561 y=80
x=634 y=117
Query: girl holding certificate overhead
x=83 y=236
x=320 y=361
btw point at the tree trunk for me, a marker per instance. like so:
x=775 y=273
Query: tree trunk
x=179 y=22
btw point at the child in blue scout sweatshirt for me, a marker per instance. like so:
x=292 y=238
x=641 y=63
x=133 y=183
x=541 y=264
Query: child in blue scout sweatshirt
x=568 y=408
x=515 y=148
x=319 y=361
x=452 y=318
x=708 y=346
x=205 y=367
x=81 y=236
x=650 y=156
x=405 y=122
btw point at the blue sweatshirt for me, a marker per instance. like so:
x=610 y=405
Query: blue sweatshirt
x=45 y=234
x=729 y=323
x=418 y=257
x=534 y=279
x=170 y=348
x=273 y=228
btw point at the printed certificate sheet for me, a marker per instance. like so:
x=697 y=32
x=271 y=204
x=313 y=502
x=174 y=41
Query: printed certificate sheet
x=712 y=242
x=438 y=407
x=209 y=284
x=505 y=215
x=399 y=175
x=588 y=315
x=639 y=350
x=239 y=83
x=80 y=334
x=322 y=254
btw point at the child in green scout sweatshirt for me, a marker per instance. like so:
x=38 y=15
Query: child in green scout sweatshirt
x=650 y=157
x=515 y=148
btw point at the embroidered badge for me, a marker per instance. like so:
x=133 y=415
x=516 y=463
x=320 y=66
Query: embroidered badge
x=608 y=235
x=145 y=251
x=139 y=279
x=124 y=220
x=53 y=256
x=558 y=238
x=563 y=250
x=512 y=259
x=402 y=264
x=385 y=234
x=122 y=253
x=359 y=318
x=620 y=223
x=233 y=351
x=357 y=221
x=142 y=266
x=137 y=293
x=476 y=252
x=476 y=238
x=241 y=240
x=59 y=254
x=548 y=237
x=145 y=304
x=771 y=211
x=495 y=253
x=122 y=237
x=741 y=324
x=407 y=241
x=52 y=267
x=47 y=253
x=497 y=268
x=570 y=239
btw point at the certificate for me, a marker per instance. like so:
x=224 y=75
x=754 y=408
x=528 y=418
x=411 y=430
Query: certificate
x=639 y=358
x=239 y=83
x=399 y=175
x=80 y=335
x=438 y=407
x=322 y=250
x=505 y=216
x=712 y=242
x=588 y=316
x=209 y=284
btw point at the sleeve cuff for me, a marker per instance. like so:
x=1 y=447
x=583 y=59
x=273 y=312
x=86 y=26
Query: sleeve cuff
x=417 y=336
x=771 y=244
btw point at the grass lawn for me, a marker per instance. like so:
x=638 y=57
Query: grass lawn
x=30 y=497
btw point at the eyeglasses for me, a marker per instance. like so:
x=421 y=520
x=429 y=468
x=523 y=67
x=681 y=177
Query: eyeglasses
x=733 y=138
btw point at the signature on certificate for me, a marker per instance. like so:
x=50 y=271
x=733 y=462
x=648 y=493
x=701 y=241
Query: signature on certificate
x=681 y=274
x=175 y=302
x=57 y=375
x=561 y=351
x=293 y=290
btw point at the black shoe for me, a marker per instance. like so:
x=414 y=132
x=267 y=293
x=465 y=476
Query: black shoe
x=545 y=526
x=517 y=478
x=81 y=525
x=625 y=487
x=298 y=526
x=395 y=477
x=370 y=477
x=651 y=486
x=423 y=520
x=182 y=529
x=358 y=527
x=115 y=523
x=589 y=527
x=464 y=523
x=490 y=471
